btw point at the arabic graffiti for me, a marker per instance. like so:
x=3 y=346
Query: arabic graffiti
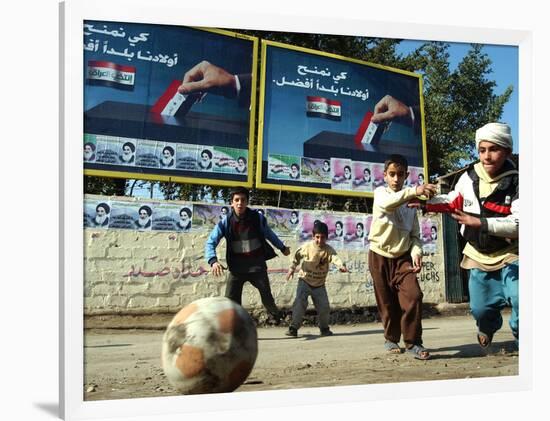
x=180 y=273
x=318 y=84
x=369 y=285
x=97 y=45
x=177 y=273
x=357 y=266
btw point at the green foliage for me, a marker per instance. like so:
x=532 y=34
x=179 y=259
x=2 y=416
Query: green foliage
x=456 y=103
x=105 y=186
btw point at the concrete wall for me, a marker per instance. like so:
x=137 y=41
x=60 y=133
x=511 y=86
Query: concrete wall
x=132 y=272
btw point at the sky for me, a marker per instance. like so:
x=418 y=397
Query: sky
x=505 y=68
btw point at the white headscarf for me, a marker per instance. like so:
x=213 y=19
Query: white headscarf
x=497 y=133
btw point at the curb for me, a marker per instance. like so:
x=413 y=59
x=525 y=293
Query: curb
x=159 y=321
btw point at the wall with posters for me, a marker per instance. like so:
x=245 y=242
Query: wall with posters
x=148 y=256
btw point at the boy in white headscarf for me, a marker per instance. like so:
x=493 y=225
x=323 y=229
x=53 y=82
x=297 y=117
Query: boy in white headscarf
x=485 y=202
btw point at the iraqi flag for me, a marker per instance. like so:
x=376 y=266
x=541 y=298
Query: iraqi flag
x=317 y=106
x=172 y=103
x=107 y=73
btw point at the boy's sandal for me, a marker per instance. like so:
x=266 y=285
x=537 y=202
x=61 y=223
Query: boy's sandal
x=392 y=347
x=418 y=352
x=484 y=340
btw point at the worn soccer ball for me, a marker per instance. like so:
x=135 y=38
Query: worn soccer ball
x=210 y=346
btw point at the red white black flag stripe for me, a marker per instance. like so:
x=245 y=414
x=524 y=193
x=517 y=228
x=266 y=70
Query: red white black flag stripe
x=110 y=74
x=317 y=106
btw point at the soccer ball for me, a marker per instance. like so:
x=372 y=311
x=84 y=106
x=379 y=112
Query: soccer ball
x=210 y=346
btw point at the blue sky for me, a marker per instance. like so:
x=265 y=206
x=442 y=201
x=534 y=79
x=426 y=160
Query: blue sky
x=505 y=73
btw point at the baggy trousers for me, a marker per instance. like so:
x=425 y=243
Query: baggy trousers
x=398 y=297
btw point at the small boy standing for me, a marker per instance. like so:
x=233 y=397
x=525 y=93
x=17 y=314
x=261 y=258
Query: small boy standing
x=395 y=257
x=315 y=257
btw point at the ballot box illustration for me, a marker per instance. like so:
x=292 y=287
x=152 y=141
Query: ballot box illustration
x=343 y=145
x=137 y=121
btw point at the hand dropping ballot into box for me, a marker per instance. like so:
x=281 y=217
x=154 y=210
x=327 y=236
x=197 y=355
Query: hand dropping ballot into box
x=369 y=132
x=174 y=104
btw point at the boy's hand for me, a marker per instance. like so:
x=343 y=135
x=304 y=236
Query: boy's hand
x=286 y=251
x=417 y=264
x=465 y=219
x=217 y=269
x=290 y=274
x=427 y=190
x=344 y=269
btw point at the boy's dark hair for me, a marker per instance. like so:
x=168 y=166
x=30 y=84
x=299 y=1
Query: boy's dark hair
x=239 y=190
x=398 y=160
x=320 y=228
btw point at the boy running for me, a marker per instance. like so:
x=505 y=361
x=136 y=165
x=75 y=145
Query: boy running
x=485 y=202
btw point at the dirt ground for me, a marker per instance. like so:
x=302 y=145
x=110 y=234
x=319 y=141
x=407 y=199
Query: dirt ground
x=125 y=363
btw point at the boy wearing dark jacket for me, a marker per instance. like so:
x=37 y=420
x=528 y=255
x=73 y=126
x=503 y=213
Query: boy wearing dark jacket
x=247 y=250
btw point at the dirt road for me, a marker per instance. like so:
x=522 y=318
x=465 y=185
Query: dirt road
x=123 y=364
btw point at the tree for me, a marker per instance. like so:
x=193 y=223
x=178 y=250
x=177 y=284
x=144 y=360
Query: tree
x=456 y=104
x=105 y=186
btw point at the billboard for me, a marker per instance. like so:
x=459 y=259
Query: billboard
x=316 y=133
x=138 y=123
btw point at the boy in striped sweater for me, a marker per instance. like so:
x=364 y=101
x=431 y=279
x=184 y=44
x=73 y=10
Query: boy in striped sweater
x=246 y=233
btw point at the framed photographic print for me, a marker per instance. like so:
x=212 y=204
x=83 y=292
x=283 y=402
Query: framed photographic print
x=214 y=99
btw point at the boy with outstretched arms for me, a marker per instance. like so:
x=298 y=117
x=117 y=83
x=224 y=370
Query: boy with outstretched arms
x=247 y=250
x=485 y=201
x=395 y=257
x=315 y=257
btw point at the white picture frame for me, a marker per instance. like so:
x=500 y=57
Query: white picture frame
x=72 y=405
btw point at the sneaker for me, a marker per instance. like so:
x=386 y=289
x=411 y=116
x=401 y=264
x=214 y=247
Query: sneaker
x=292 y=332
x=326 y=332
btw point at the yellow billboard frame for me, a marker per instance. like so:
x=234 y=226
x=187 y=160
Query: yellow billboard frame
x=251 y=140
x=261 y=109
